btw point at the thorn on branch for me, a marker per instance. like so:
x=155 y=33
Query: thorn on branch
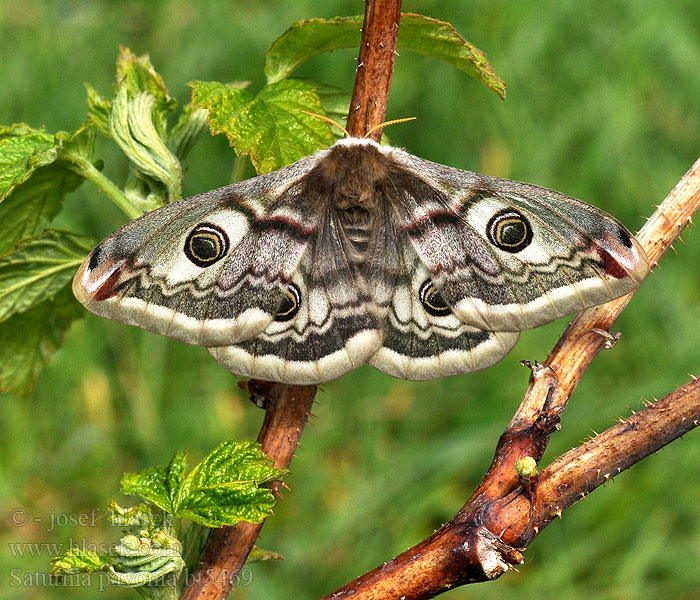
x=610 y=339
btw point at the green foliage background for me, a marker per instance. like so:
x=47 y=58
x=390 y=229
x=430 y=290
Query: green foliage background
x=603 y=104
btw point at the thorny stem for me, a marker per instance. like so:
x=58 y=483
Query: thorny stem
x=286 y=412
x=375 y=66
x=287 y=406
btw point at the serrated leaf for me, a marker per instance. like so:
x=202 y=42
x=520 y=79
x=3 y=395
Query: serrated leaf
x=159 y=485
x=34 y=203
x=39 y=268
x=221 y=99
x=138 y=75
x=27 y=341
x=37 y=194
x=76 y=146
x=417 y=33
x=308 y=38
x=224 y=488
x=151 y=484
x=20 y=145
x=271 y=126
x=79 y=560
x=438 y=39
x=335 y=100
x=98 y=109
x=175 y=473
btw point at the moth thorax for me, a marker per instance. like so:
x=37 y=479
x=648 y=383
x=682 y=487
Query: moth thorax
x=357 y=200
x=355 y=174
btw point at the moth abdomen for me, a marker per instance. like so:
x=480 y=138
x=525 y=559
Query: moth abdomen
x=358 y=226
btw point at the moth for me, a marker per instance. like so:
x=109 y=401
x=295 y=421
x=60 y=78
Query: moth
x=358 y=254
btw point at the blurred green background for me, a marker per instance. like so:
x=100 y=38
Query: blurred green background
x=603 y=104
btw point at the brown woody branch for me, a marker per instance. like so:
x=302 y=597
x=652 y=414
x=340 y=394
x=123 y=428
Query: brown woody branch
x=287 y=407
x=505 y=512
x=286 y=412
x=375 y=66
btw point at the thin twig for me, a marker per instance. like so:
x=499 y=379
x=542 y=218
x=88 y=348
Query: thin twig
x=501 y=518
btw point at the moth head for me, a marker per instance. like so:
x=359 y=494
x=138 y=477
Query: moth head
x=206 y=244
x=509 y=230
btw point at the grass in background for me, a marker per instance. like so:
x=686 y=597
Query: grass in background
x=603 y=104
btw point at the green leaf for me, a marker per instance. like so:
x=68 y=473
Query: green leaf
x=438 y=39
x=33 y=204
x=271 y=126
x=39 y=268
x=176 y=474
x=159 y=485
x=137 y=74
x=151 y=484
x=335 y=101
x=98 y=109
x=221 y=490
x=308 y=38
x=79 y=560
x=221 y=99
x=78 y=146
x=186 y=132
x=42 y=178
x=417 y=33
x=261 y=555
x=131 y=124
x=21 y=152
x=225 y=487
x=27 y=341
